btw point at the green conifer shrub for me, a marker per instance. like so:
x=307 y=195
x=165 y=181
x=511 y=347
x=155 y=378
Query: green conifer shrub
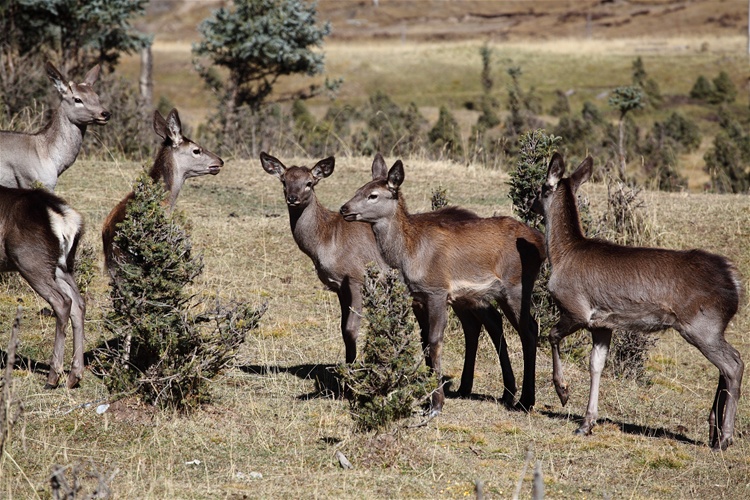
x=390 y=379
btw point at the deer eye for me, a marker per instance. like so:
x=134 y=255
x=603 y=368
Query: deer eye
x=78 y=100
x=197 y=151
x=373 y=196
x=309 y=184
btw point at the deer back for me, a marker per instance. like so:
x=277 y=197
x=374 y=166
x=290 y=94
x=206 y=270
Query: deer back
x=474 y=259
x=604 y=285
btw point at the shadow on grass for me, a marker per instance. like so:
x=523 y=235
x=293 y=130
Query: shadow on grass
x=24 y=363
x=638 y=430
x=327 y=382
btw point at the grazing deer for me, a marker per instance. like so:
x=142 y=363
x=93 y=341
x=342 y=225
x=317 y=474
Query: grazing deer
x=469 y=262
x=603 y=287
x=43 y=156
x=40 y=234
x=178 y=159
x=341 y=250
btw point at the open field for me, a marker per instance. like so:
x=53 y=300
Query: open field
x=267 y=418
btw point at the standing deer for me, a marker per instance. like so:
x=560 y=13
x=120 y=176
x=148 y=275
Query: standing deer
x=43 y=156
x=341 y=250
x=469 y=262
x=177 y=160
x=40 y=234
x=603 y=287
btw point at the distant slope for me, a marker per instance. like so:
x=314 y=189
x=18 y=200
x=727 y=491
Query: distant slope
x=491 y=19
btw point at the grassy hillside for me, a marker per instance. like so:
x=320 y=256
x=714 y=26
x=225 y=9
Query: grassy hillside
x=267 y=417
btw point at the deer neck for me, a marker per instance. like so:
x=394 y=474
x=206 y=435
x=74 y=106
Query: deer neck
x=396 y=236
x=310 y=225
x=62 y=140
x=563 y=226
x=164 y=171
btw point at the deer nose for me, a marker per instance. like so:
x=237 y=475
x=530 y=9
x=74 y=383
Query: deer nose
x=344 y=210
x=292 y=199
x=106 y=115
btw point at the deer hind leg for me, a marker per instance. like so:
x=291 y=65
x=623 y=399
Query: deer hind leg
x=727 y=359
x=493 y=322
x=45 y=285
x=68 y=285
x=562 y=329
x=517 y=310
x=472 y=328
x=601 y=339
x=423 y=320
x=350 y=301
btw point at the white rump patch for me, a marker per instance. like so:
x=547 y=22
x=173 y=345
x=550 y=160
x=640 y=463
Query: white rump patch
x=65 y=227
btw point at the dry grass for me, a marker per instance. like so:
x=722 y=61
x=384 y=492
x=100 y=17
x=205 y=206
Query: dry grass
x=267 y=419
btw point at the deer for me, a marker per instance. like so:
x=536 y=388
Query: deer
x=177 y=160
x=40 y=234
x=340 y=252
x=602 y=286
x=447 y=260
x=43 y=156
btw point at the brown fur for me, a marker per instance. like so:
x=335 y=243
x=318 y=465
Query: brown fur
x=449 y=258
x=603 y=287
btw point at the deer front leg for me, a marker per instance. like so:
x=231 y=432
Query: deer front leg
x=437 y=313
x=561 y=387
x=350 y=301
x=601 y=339
x=493 y=322
x=471 y=328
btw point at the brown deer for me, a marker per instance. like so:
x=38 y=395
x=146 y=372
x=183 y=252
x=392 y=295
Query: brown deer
x=43 y=156
x=177 y=160
x=340 y=251
x=469 y=262
x=603 y=287
x=40 y=234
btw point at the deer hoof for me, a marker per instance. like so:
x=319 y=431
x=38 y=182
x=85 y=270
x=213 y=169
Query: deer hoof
x=723 y=444
x=562 y=393
x=49 y=387
x=73 y=381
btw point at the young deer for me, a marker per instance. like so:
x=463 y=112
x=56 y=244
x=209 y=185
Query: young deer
x=469 y=262
x=340 y=251
x=178 y=159
x=40 y=234
x=602 y=287
x=43 y=156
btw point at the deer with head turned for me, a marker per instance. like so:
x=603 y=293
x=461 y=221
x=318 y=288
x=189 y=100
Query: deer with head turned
x=341 y=250
x=44 y=155
x=39 y=235
x=602 y=287
x=466 y=261
x=177 y=160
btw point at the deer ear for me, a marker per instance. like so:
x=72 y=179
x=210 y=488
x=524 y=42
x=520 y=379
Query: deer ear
x=160 y=125
x=272 y=165
x=92 y=75
x=57 y=79
x=396 y=175
x=556 y=169
x=582 y=173
x=379 y=170
x=174 y=127
x=323 y=168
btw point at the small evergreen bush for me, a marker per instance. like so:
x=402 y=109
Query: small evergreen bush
x=390 y=379
x=163 y=350
x=445 y=136
x=702 y=89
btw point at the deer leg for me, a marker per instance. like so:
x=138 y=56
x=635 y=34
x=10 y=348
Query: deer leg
x=471 y=328
x=558 y=332
x=45 y=285
x=350 y=301
x=601 y=339
x=437 y=313
x=67 y=284
x=727 y=359
x=423 y=320
x=520 y=318
x=493 y=322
